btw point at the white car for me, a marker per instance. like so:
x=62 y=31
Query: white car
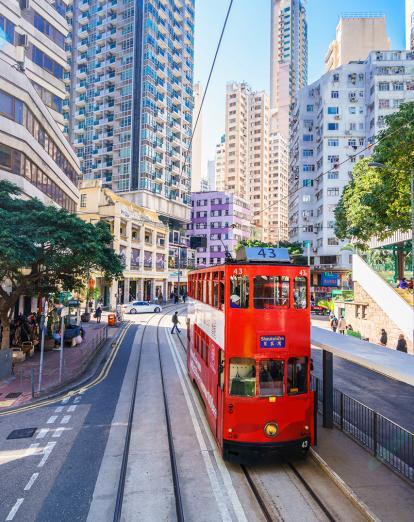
x=138 y=307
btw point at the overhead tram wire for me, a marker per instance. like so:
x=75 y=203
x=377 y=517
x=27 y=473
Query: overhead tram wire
x=375 y=142
x=207 y=84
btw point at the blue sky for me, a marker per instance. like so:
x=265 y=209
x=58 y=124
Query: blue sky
x=245 y=49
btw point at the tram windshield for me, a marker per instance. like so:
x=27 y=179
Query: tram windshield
x=297 y=375
x=271 y=378
x=242 y=377
x=299 y=293
x=271 y=291
x=239 y=292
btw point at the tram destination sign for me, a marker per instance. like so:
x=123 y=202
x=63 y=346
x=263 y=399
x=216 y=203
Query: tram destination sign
x=267 y=254
x=272 y=341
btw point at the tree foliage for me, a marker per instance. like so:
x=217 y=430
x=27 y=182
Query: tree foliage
x=377 y=201
x=45 y=249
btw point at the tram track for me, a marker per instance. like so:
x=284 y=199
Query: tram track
x=125 y=456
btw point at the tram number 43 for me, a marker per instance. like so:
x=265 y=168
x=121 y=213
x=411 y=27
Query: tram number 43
x=268 y=252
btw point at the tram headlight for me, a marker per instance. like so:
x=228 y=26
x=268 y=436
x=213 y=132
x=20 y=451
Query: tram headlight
x=271 y=429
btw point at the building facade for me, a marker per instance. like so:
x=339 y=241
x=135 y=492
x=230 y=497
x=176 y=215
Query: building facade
x=197 y=142
x=333 y=122
x=34 y=153
x=288 y=59
x=130 y=109
x=356 y=36
x=222 y=219
x=220 y=164
x=278 y=229
x=140 y=238
x=211 y=174
x=409 y=24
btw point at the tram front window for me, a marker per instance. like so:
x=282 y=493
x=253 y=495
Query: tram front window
x=300 y=293
x=239 y=292
x=297 y=375
x=271 y=291
x=271 y=378
x=242 y=377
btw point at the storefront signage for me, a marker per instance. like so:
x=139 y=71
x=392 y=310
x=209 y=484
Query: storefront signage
x=272 y=341
x=330 y=279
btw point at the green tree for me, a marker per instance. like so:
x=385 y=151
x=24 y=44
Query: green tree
x=377 y=201
x=45 y=250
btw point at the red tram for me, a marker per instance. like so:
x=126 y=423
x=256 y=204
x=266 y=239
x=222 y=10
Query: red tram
x=249 y=352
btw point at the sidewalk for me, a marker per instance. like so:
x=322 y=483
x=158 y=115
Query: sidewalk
x=17 y=389
x=387 y=495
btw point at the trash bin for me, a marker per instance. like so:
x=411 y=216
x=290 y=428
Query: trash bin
x=111 y=320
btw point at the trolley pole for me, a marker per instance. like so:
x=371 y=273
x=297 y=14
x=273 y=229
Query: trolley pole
x=42 y=342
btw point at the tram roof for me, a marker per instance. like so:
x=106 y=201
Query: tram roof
x=388 y=362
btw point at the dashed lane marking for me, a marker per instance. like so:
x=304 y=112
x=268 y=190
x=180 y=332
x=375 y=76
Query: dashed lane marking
x=66 y=419
x=58 y=432
x=42 y=433
x=14 y=509
x=46 y=452
x=59 y=409
x=31 y=449
x=72 y=408
x=51 y=419
x=31 y=481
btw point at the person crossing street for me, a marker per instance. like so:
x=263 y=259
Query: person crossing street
x=175 y=322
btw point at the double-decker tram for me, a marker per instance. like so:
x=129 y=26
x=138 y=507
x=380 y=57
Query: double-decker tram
x=249 y=352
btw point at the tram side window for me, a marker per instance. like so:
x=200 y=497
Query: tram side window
x=299 y=293
x=239 y=292
x=221 y=296
x=271 y=374
x=271 y=291
x=215 y=294
x=297 y=375
x=242 y=377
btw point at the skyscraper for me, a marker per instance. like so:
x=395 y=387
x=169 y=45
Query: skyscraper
x=288 y=59
x=220 y=164
x=196 y=146
x=34 y=152
x=131 y=103
x=409 y=23
x=356 y=36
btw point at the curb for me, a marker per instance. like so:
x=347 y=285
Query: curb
x=359 y=504
x=72 y=384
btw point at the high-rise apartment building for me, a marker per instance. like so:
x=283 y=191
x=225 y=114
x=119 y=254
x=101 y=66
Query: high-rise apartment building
x=211 y=174
x=409 y=24
x=34 y=153
x=288 y=59
x=278 y=188
x=196 y=145
x=220 y=164
x=131 y=103
x=356 y=36
x=334 y=119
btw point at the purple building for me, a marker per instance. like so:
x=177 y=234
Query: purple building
x=223 y=219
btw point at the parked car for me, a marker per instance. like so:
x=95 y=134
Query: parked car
x=319 y=310
x=138 y=307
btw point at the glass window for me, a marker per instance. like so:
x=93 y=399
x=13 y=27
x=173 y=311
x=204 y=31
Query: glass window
x=297 y=375
x=239 y=292
x=5 y=157
x=242 y=377
x=221 y=295
x=271 y=377
x=215 y=294
x=271 y=291
x=6 y=105
x=299 y=292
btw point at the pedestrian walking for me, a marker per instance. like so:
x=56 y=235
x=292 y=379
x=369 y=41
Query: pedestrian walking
x=175 y=322
x=184 y=296
x=334 y=323
x=342 y=325
x=383 y=338
x=98 y=314
x=402 y=344
x=176 y=299
x=160 y=298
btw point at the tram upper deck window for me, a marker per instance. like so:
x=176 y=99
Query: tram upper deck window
x=242 y=377
x=271 y=373
x=297 y=375
x=239 y=292
x=299 y=293
x=271 y=291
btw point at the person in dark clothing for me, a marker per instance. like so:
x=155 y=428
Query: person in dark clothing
x=175 y=298
x=402 y=344
x=184 y=296
x=175 y=321
x=384 y=337
x=98 y=314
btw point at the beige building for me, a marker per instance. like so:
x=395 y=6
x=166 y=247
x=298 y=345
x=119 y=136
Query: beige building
x=278 y=188
x=140 y=238
x=220 y=165
x=196 y=144
x=356 y=36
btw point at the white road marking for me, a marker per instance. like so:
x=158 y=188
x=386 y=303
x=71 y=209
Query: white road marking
x=46 y=452
x=58 y=432
x=77 y=399
x=14 y=509
x=42 y=433
x=66 y=419
x=65 y=400
x=31 y=481
x=72 y=408
x=221 y=502
x=59 y=409
x=30 y=449
x=51 y=419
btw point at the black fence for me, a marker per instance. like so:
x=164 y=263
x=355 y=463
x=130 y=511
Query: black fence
x=385 y=439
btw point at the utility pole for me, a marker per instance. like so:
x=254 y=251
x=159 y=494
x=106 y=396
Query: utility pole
x=43 y=324
x=178 y=273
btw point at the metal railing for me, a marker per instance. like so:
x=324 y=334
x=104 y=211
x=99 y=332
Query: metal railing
x=386 y=440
